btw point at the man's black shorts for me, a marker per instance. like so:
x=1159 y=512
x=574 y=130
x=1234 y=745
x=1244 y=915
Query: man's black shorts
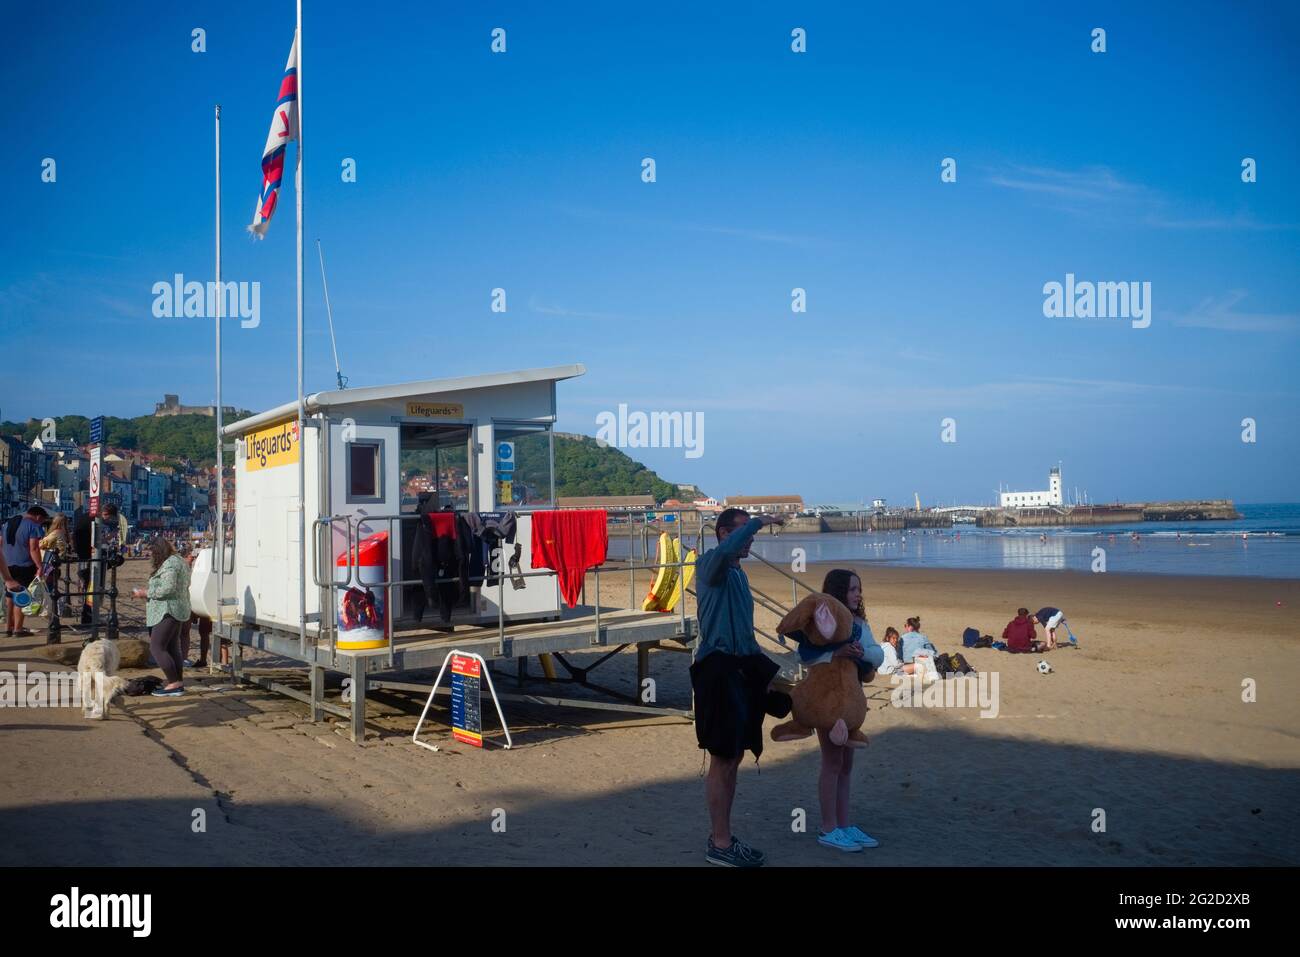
x=731 y=698
x=23 y=574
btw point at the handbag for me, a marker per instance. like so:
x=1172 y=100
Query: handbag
x=39 y=595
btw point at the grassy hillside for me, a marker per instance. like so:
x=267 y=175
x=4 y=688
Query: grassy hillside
x=190 y=437
x=582 y=467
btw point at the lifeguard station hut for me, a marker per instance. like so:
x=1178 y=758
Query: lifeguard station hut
x=371 y=460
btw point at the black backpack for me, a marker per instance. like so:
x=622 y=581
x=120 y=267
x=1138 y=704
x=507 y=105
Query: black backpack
x=953 y=663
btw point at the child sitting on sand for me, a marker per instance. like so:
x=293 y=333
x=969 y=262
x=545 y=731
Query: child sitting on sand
x=892 y=664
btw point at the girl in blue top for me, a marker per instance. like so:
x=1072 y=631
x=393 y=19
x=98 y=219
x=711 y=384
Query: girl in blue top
x=836 y=774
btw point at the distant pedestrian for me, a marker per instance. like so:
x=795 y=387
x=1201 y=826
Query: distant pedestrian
x=22 y=552
x=168 y=607
x=108 y=531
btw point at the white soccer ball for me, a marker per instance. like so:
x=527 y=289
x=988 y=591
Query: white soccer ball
x=1044 y=668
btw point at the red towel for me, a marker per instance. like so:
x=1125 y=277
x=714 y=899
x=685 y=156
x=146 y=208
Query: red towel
x=443 y=524
x=570 y=541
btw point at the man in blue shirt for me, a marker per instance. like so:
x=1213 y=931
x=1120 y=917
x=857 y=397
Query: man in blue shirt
x=730 y=678
x=22 y=535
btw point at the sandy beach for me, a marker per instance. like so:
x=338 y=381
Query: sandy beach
x=1144 y=721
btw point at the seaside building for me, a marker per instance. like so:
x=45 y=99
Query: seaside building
x=767 y=504
x=1052 y=496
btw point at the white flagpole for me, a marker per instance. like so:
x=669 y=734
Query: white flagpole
x=219 y=555
x=302 y=453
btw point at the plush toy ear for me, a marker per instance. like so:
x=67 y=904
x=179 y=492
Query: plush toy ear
x=824 y=619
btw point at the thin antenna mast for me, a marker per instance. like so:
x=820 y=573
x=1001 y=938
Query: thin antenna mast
x=342 y=380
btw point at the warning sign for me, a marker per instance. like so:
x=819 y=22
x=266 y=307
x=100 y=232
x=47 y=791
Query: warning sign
x=96 y=463
x=466 y=700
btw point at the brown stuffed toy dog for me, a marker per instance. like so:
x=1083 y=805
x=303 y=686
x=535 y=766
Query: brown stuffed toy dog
x=830 y=698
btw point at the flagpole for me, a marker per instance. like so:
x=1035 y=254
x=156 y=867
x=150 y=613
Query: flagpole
x=219 y=539
x=302 y=455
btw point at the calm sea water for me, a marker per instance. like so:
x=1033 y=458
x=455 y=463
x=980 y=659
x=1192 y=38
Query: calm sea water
x=1270 y=547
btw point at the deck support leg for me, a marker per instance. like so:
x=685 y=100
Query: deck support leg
x=521 y=670
x=358 y=690
x=317 y=693
x=642 y=668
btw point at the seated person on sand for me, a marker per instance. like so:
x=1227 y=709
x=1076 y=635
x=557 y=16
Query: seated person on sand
x=892 y=664
x=913 y=642
x=1051 y=619
x=1020 y=635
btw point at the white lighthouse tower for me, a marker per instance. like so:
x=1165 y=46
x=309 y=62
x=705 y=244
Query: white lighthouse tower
x=1038 y=499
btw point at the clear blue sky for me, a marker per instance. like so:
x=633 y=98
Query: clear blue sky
x=775 y=170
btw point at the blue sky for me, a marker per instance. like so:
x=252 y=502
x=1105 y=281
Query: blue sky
x=775 y=170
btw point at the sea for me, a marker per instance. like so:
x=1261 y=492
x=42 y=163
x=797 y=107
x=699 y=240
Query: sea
x=1264 y=543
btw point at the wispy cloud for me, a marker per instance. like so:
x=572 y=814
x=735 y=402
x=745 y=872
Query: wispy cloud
x=1098 y=193
x=1093 y=183
x=757 y=235
x=1221 y=312
x=1240 y=221
x=567 y=313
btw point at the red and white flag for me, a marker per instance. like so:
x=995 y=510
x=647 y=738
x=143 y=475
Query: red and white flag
x=284 y=128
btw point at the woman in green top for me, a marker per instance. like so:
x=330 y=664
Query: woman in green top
x=168 y=594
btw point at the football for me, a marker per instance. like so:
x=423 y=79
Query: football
x=1044 y=668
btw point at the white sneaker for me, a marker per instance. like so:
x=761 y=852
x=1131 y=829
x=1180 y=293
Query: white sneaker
x=860 y=836
x=838 y=840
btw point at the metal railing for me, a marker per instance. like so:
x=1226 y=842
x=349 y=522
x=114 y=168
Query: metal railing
x=327 y=566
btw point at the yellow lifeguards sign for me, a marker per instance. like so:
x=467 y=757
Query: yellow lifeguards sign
x=272 y=446
x=435 y=410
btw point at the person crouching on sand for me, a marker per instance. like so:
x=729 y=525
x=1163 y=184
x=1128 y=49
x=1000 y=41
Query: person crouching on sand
x=836 y=776
x=168 y=606
x=1051 y=619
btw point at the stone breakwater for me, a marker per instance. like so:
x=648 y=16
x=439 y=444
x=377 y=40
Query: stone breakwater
x=1205 y=511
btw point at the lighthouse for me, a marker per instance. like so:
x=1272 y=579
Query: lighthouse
x=1054 y=485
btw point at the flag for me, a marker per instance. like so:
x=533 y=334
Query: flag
x=284 y=128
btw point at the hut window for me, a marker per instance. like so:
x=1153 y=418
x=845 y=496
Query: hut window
x=365 y=476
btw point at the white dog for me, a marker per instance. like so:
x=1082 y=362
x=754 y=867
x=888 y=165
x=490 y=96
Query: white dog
x=98 y=678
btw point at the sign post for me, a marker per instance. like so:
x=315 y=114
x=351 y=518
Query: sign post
x=467 y=669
